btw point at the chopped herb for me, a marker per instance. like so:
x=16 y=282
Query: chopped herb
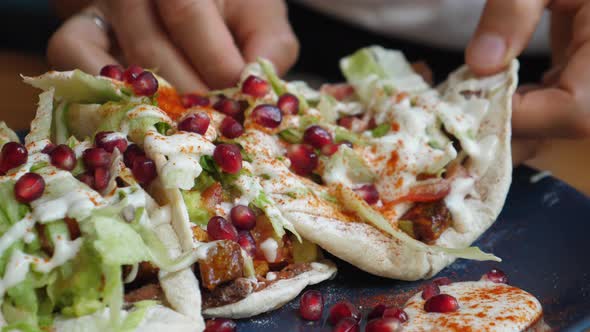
x=381 y=130
x=38 y=166
x=162 y=127
x=208 y=164
x=265 y=176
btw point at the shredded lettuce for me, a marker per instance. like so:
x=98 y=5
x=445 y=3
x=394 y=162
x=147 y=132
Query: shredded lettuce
x=60 y=123
x=291 y=135
x=77 y=86
x=374 y=70
x=346 y=166
x=41 y=124
x=354 y=203
x=7 y=134
x=381 y=130
x=327 y=108
x=197 y=213
x=276 y=83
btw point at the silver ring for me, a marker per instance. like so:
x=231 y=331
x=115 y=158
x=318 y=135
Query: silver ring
x=98 y=20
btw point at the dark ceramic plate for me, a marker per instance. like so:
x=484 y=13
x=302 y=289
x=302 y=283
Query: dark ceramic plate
x=542 y=236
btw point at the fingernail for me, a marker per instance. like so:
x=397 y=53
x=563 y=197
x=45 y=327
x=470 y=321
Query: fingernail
x=488 y=50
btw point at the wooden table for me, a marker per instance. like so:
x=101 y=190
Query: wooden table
x=567 y=160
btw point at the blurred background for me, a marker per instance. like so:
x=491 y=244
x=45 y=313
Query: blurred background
x=27 y=25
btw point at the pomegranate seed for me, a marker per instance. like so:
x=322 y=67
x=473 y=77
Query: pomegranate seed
x=341 y=310
x=442 y=281
x=228 y=106
x=109 y=140
x=131 y=73
x=347 y=121
x=87 y=178
x=195 y=123
x=441 y=303
x=29 y=187
x=303 y=158
x=243 y=217
x=246 y=241
x=311 y=305
x=145 y=84
x=346 y=325
x=430 y=290
x=62 y=156
x=317 y=137
x=13 y=155
x=48 y=148
x=330 y=149
x=96 y=157
x=376 y=312
x=220 y=325
x=101 y=178
x=288 y=104
x=144 y=170
x=190 y=99
x=396 y=313
x=220 y=229
x=228 y=157
x=384 y=324
x=266 y=115
x=255 y=86
x=368 y=192
x=497 y=276
x=131 y=154
x=231 y=128
x=112 y=71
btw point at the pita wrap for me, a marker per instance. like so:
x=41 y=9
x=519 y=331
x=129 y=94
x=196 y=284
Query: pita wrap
x=372 y=238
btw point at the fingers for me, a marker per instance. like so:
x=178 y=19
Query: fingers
x=262 y=29
x=504 y=30
x=143 y=42
x=422 y=69
x=79 y=43
x=549 y=112
x=523 y=150
x=198 y=28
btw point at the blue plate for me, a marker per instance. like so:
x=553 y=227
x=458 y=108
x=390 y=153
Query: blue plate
x=541 y=235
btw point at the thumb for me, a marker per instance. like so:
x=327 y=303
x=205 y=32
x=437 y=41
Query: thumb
x=504 y=30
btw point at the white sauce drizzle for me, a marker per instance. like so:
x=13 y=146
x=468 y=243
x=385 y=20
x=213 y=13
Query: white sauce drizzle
x=269 y=249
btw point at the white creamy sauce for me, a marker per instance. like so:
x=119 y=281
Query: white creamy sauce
x=37 y=146
x=132 y=274
x=410 y=146
x=455 y=201
x=180 y=171
x=182 y=142
x=269 y=249
x=63 y=251
x=483 y=306
x=16 y=232
x=223 y=209
x=16 y=271
x=270 y=276
x=183 y=151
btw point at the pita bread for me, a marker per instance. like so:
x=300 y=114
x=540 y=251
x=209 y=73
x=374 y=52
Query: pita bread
x=371 y=250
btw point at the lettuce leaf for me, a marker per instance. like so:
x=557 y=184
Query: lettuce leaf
x=7 y=134
x=78 y=87
x=356 y=204
x=345 y=166
x=41 y=124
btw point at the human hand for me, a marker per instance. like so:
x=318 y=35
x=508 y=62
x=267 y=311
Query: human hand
x=559 y=107
x=195 y=44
